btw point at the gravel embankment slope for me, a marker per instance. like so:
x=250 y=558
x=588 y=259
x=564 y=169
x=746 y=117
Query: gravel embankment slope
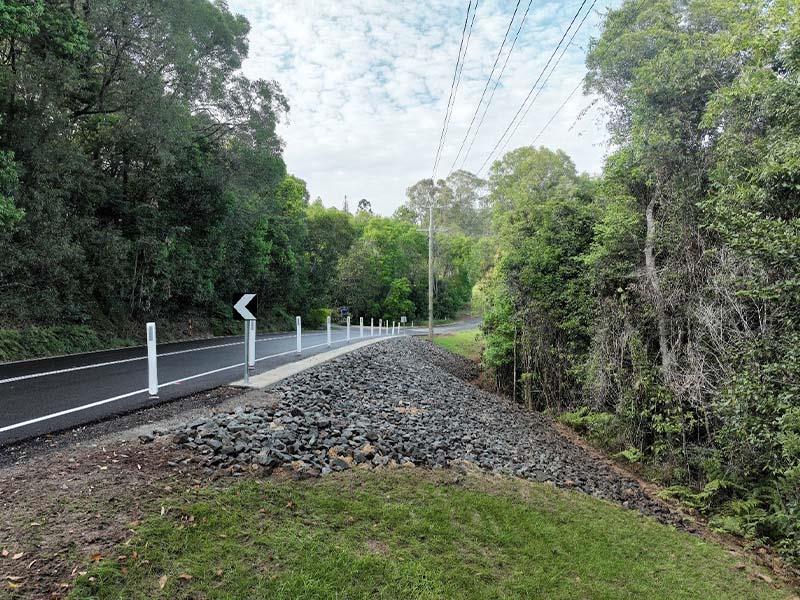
x=399 y=402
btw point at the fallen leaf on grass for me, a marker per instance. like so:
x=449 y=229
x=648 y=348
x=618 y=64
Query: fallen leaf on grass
x=4 y=552
x=185 y=576
x=14 y=586
x=17 y=556
x=96 y=557
x=162 y=581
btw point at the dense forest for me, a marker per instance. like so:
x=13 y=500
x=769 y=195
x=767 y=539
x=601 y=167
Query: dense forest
x=142 y=178
x=657 y=306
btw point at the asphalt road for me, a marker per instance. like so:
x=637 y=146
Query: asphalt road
x=46 y=395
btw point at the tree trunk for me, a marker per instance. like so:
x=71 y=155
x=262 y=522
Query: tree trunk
x=652 y=277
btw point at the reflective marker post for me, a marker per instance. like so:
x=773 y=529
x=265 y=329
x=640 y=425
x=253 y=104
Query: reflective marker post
x=152 y=361
x=299 y=339
x=251 y=353
x=328 y=328
x=361 y=326
x=246 y=352
x=371 y=327
x=348 y=328
x=380 y=322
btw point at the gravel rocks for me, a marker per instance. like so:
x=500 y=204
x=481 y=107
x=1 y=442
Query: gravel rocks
x=398 y=403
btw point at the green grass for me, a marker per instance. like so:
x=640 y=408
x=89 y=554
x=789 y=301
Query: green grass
x=411 y=534
x=467 y=343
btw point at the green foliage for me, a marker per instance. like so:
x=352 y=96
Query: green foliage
x=34 y=342
x=141 y=178
x=666 y=294
x=398 y=301
x=9 y=213
x=599 y=427
x=632 y=455
x=542 y=218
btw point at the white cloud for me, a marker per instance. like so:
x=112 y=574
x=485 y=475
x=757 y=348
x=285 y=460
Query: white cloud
x=368 y=83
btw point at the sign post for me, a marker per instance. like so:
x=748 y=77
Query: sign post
x=299 y=338
x=152 y=361
x=241 y=307
x=328 y=329
x=246 y=352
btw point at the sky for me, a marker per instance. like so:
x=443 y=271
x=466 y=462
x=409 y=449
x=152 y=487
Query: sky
x=368 y=83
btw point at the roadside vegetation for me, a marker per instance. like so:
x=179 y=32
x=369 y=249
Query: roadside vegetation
x=400 y=534
x=657 y=305
x=467 y=343
x=142 y=179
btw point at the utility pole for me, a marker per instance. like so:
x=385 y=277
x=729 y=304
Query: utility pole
x=430 y=271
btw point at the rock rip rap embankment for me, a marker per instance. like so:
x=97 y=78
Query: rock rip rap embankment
x=402 y=402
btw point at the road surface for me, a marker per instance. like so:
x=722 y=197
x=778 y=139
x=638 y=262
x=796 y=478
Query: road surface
x=50 y=394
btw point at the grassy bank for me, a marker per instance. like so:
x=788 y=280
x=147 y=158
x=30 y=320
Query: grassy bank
x=42 y=341
x=411 y=534
x=467 y=343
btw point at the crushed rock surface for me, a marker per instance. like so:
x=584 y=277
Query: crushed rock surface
x=402 y=402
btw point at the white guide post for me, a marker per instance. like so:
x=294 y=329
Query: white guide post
x=246 y=352
x=361 y=326
x=380 y=323
x=152 y=361
x=371 y=327
x=251 y=353
x=328 y=329
x=299 y=338
x=348 y=328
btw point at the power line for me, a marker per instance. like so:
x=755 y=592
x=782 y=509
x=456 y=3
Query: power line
x=536 y=83
x=572 y=93
x=459 y=68
x=496 y=84
x=486 y=87
x=544 y=83
x=558 y=110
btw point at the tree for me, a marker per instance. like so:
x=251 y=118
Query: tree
x=364 y=206
x=398 y=301
x=542 y=219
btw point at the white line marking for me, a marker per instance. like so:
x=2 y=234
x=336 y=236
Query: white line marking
x=61 y=413
x=67 y=411
x=127 y=360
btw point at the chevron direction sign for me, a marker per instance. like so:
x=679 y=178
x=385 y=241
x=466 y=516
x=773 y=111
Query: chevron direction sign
x=244 y=307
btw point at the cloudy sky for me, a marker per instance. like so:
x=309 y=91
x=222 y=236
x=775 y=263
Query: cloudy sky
x=368 y=83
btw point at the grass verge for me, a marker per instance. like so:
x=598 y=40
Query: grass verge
x=467 y=343
x=412 y=534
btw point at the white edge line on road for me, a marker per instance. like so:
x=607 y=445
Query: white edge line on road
x=127 y=360
x=67 y=411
